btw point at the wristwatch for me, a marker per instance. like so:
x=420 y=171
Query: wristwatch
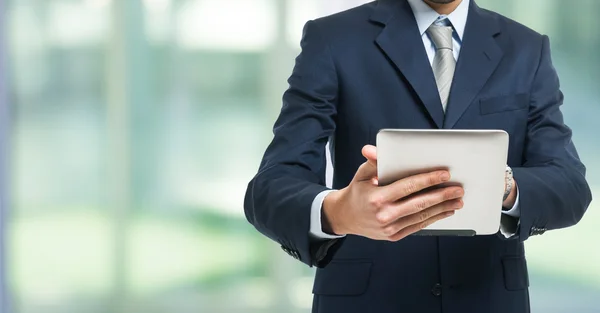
x=508 y=182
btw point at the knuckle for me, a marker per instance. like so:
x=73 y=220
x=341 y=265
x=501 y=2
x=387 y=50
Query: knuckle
x=433 y=179
x=410 y=187
x=454 y=204
x=382 y=218
x=389 y=231
x=448 y=194
x=423 y=216
x=421 y=204
x=376 y=200
x=425 y=224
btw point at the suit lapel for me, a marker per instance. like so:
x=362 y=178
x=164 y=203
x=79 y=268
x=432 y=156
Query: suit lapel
x=479 y=57
x=401 y=41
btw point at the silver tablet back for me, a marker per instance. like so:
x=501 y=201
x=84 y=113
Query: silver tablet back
x=476 y=160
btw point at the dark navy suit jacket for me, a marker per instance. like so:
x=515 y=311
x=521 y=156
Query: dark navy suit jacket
x=366 y=69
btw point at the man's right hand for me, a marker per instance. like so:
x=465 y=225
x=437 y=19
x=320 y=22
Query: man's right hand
x=389 y=212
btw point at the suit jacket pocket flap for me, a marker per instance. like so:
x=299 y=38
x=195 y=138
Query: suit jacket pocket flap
x=515 y=273
x=343 y=278
x=504 y=103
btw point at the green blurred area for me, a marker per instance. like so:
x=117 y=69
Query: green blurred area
x=136 y=126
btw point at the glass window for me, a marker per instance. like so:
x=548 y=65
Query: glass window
x=136 y=126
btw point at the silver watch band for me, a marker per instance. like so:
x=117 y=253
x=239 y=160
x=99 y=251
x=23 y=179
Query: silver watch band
x=509 y=182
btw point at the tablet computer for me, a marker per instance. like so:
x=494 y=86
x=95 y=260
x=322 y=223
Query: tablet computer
x=476 y=160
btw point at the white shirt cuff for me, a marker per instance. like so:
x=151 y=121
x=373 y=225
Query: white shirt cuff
x=509 y=226
x=316 y=228
x=515 y=211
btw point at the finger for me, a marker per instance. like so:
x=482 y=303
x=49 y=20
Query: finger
x=417 y=227
x=368 y=170
x=421 y=217
x=370 y=153
x=417 y=204
x=413 y=184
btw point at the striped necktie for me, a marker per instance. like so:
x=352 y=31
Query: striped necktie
x=444 y=63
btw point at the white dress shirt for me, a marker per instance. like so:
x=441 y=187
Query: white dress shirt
x=425 y=16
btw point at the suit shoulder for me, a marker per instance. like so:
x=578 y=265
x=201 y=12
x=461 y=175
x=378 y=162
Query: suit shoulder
x=361 y=12
x=346 y=22
x=516 y=30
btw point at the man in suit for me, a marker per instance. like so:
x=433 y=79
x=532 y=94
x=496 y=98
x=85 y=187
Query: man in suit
x=414 y=64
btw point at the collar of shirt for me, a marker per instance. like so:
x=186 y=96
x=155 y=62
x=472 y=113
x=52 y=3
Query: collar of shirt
x=426 y=16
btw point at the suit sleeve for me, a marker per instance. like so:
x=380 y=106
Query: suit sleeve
x=292 y=172
x=552 y=186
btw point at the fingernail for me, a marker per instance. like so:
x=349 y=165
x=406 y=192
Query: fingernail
x=458 y=193
x=445 y=176
x=450 y=213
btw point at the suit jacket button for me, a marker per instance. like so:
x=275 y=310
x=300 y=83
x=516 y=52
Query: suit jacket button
x=437 y=290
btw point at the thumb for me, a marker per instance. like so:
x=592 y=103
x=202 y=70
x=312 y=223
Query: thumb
x=370 y=153
x=368 y=170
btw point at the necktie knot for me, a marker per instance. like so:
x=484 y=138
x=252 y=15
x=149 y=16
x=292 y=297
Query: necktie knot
x=441 y=36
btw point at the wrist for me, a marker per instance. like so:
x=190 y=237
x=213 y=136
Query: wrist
x=509 y=202
x=508 y=183
x=329 y=217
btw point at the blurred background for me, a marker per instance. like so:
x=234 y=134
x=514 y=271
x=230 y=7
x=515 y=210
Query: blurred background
x=130 y=129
